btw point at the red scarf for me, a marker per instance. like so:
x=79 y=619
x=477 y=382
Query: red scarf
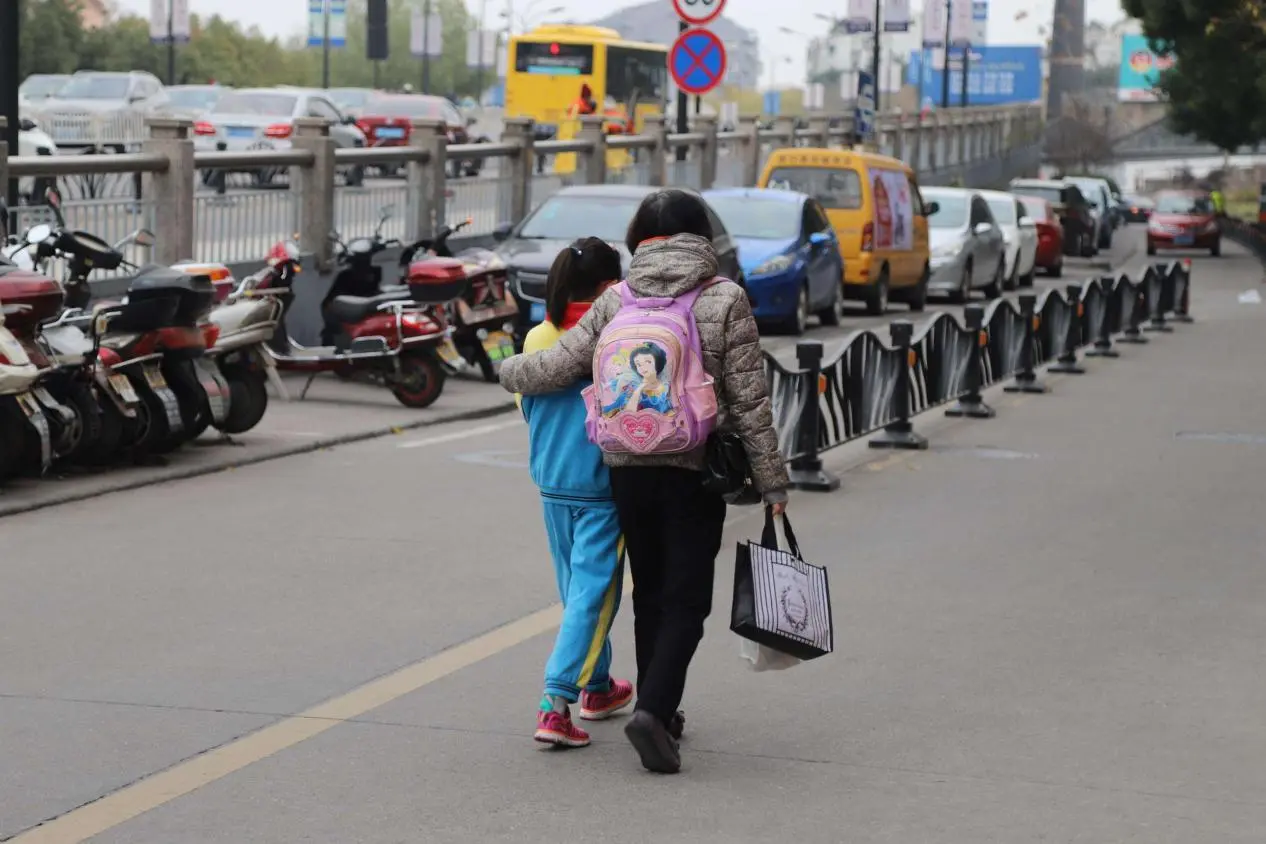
x=575 y=311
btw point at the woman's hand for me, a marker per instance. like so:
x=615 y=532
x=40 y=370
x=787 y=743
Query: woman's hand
x=778 y=508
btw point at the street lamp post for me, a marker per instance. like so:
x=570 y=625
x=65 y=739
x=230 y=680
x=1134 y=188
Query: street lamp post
x=945 y=70
x=10 y=20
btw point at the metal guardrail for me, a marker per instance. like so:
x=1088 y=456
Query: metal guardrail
x=201 y=218
x=873 y=386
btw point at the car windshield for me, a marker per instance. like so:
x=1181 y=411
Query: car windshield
x=95 y=88
x=569 y=217
x=751 y=217
x=39 y=87
x=200 y=99
x=1053 y=194
x=1139 y=201
x=405 y=107
x=1180 y=203
x=1035 y=208
x=269 y=105
x=834 y=187
x=952 y=210
x=1093 y=192
x=348 y=99
x=1003 y=211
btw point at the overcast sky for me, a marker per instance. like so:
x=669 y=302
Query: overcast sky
x=284 y=17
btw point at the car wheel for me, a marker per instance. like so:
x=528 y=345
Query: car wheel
x=1216 y=249
x=1151 y=248
x=1013 y=282
x=834 y=315
x=1056 y=271
x=798 y=322
x=963 y=294
x=877 y=296
x=356 y=176
x=994 y=288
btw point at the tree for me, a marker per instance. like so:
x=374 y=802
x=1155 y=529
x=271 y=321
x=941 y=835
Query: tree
x=1217 y=87
x=1080 y=138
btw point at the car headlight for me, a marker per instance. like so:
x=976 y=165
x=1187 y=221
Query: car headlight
x=776 y=264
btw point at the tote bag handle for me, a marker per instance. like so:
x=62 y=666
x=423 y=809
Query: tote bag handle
x=769 y=537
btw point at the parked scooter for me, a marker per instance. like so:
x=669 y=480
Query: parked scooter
x=389 y=338
x=483 y=318
x=24 y=427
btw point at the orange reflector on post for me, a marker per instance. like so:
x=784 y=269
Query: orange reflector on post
x=982 y=337
x=914 y=357
x=1081 y=309
x=1037 y=323
x=821 y=384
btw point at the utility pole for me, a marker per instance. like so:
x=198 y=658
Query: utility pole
x=966 y=71
x=683 y=104
x=479 y=72
x=325 y=45
x=1068 y=43
x=945 y=70
x=171 y=42
x=10 y=21
x=875 y=60
x=426 y=47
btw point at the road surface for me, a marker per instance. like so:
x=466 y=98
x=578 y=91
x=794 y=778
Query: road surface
x=1048 y=628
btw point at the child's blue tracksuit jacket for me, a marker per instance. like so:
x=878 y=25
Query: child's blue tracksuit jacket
x=583 y=529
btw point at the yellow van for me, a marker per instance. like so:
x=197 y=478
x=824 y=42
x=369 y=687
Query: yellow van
x=874 y=204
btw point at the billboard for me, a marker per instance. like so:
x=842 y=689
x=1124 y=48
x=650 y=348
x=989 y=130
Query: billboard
x=1140 y=69
x=995 y=76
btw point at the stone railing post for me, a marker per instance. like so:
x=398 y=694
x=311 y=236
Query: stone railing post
x=785 y=126
x=749 y=126
x=316 y=189
x=592 y=164
x=707 y=125
x=4 y=171
x=426 y=184
x=521 y=132
x=171 y=193
x=654 y=126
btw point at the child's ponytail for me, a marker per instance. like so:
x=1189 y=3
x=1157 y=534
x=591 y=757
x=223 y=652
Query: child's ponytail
x=578 y=274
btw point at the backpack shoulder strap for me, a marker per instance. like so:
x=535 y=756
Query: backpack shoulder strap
x=626 y=294
x=688 y=299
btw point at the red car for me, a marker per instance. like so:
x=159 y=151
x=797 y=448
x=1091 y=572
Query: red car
x=385 y=122
x=1050 y=234
x=1183 y=220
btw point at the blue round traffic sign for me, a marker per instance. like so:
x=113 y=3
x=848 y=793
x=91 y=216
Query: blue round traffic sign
x=697 y=61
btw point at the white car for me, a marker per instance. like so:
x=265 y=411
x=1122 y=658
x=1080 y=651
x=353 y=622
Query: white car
x=32 y=140
x=1019 y=232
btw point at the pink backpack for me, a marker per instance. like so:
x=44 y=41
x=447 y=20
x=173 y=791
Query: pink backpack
x=650 y=392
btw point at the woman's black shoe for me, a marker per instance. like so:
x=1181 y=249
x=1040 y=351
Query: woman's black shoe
x=653 y=743
x=677 y=725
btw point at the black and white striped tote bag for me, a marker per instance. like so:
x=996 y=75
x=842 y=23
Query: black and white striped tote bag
x=780 y=600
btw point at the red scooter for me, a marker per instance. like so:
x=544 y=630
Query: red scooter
x=390 y=338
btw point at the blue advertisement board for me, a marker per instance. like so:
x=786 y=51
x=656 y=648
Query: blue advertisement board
x=1140 y=69
x=995 y=75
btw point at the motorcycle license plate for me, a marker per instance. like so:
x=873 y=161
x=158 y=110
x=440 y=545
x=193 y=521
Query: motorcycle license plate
x=448 y=353
x=537 y=313
x=498 y=346
x=31 y=409
x=123 y=388
x=154 y=377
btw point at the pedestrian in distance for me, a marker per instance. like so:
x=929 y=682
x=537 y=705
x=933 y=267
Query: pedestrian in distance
x=651 y=396
x=581 y=522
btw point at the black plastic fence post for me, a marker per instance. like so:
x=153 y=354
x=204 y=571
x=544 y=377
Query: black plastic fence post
x=1103 y=333
x=971 y=404
x=806 y=471
x=221 y=177
x=1134 y=315
x=1026 y=380
x=1182 y=302
x=1159 y=280
x=1066 y=363
x=899 y=433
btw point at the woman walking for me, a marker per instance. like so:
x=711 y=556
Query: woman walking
x=671 y=523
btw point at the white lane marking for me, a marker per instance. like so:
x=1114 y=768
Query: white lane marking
x=440 y=439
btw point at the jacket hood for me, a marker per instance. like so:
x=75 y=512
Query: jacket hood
x=672 y=266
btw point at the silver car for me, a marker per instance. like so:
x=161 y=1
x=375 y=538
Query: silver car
x=192 y=101
x=1099 y=194
x=967 y=244
x=264 y=118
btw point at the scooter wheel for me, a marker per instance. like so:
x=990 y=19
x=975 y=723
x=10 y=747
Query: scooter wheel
x=420 y=381
x=112 y=433
x=151 y=430
x=85 y=430
x=248 y=399
x=12 y=439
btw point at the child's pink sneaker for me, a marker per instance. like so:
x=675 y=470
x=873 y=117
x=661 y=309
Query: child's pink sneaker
x=598 y=706
x=556 y=728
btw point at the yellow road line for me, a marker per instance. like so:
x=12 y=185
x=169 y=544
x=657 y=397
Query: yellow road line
x=192 y=774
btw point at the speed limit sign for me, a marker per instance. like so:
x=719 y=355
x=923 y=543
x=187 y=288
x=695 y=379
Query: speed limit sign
x=698 y=12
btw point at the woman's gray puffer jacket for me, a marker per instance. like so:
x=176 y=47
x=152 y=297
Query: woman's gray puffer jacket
x=731 y=355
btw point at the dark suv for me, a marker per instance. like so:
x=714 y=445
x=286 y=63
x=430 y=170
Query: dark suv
x=1081 y=235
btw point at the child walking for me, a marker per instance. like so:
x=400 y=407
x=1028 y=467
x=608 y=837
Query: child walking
x=580 y=515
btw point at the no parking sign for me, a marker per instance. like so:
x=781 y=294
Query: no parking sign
x=697 y=61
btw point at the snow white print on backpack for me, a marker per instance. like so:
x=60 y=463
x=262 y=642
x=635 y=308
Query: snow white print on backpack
x=650 y=392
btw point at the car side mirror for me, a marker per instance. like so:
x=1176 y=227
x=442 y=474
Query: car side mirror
x=930 y=208
x=982 y=229
x=502 y=232
x=819 y=238
x=26 y=124
x=348 y=120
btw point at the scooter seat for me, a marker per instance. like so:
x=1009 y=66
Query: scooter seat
x=348 y=309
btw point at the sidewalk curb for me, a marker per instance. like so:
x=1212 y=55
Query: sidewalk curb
x=290 y=451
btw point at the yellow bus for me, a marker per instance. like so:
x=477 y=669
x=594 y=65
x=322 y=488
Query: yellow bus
x=547 y=67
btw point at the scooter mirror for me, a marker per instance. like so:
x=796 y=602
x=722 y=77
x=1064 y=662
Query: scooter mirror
x=387 y=212
x=143 y=237
x=39 y=234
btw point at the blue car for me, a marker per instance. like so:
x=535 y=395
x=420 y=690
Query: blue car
x=789 y=254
